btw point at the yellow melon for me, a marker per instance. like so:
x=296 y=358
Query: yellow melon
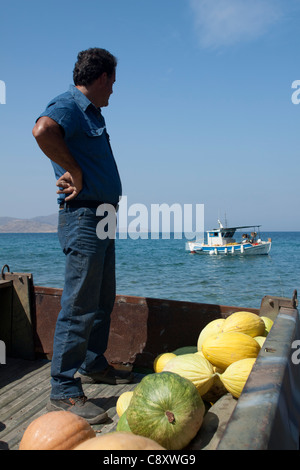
x=236 y=375
x=123 y=402
x=244 y=322
x=200 y=353
x=161 y=360
x=212 y=328
x=260 y=340
x=215 y=369
x=268 y=324
x=225 y=348
x=195 y=368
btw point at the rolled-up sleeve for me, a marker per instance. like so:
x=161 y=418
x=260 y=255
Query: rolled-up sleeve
x=64 y=116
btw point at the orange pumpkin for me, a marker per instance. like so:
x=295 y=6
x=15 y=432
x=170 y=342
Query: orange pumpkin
x=56 y=430
x=119 y=440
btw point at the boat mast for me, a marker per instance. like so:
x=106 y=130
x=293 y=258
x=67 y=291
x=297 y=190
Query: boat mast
x=225 y=220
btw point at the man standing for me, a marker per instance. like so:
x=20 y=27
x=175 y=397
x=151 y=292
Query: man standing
x=72 y=133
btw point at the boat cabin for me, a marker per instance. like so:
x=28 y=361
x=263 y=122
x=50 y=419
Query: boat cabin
x=220 y=236
x=223 y=235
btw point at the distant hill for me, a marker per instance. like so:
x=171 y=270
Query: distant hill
x=40 y=224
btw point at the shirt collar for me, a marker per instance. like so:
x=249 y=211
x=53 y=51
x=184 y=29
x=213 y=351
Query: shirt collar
x=81 y=99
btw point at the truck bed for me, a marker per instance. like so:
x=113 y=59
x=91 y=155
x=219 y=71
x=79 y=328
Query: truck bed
x=266 y=416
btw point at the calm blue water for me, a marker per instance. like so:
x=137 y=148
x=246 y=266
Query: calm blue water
x=163 y=269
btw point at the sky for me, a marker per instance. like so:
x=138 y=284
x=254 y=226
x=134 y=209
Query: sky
x=203 y=110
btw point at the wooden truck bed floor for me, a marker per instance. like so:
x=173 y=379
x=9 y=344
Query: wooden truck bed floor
x=24 y=393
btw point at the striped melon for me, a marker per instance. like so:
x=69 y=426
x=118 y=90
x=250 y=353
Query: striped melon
x=236 y=375
x=167 y=408
x=195 y=368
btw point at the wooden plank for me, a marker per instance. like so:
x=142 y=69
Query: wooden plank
x=17 y=368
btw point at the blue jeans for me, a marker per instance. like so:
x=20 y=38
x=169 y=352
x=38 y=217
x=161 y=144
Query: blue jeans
x=82 y=327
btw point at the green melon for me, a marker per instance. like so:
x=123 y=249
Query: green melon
x=123 y=423
x=185 y=350
x=167 y=408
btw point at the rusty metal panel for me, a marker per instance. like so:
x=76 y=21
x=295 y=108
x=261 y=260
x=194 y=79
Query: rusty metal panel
x=270 y=305
x=47 y=307
x=140 y=329
x=6 y=302
x=21 y=326
x=267 y=415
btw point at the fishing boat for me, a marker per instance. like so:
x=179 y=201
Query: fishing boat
x=220 y=241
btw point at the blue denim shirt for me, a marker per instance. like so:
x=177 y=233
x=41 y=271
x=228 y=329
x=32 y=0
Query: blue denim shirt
x=87 y=139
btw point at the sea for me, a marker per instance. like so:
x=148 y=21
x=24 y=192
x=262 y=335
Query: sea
x=162 y=268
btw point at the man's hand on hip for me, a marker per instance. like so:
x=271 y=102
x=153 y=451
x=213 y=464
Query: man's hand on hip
x=70 y=184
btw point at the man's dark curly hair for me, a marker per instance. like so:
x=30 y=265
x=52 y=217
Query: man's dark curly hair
x=91 y=63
